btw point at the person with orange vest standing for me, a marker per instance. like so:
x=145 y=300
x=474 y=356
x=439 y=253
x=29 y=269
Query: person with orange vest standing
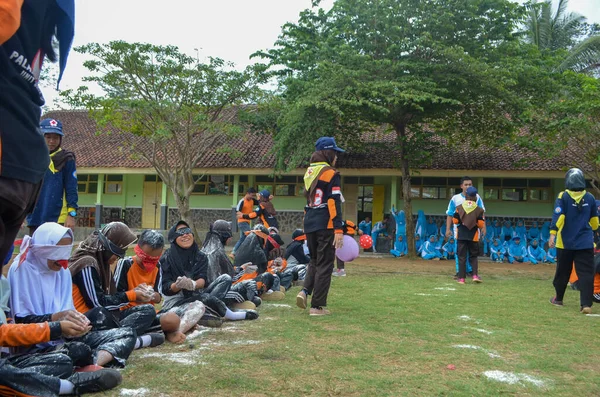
x=245 y=207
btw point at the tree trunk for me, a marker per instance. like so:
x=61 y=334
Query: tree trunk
x=406 y=188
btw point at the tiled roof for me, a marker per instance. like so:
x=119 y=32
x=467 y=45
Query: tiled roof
x=252 y=151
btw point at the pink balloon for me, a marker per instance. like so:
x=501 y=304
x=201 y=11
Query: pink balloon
x=349 y=251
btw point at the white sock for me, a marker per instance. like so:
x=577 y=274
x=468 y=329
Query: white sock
x=229 y=315
x=66 y=387
x=143 y=341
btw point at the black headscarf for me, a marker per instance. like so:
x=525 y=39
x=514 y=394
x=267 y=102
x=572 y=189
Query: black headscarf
x=214 y=248
x=574 y=180
x=182 y=260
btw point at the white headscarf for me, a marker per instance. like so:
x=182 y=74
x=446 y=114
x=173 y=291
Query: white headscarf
x=35 y=289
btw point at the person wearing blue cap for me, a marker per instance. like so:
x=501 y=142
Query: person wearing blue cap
x=455 y=201
x=469 y=220
x=28 y=29
x=60 y=182
x=323 y=224
x=574 y=221
x=265 y=212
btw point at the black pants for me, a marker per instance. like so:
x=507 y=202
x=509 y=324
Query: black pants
x=584 y=267
x=140 y=318
x=119 y=342
x=318 y=272
x=54 y=363
x=467 y=249
x=17 y=199
x=340 y=264
x=26 y=381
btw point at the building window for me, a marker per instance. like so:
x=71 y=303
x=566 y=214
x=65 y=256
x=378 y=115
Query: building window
x=87 y=183
x=288 y=185
x=431 y=187
x=517 y=189
x=218 y=184
x=365 y=202
x=113 y=184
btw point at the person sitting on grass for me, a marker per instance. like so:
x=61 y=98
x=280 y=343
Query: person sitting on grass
x=535 y=253
x=429 y=251
x=488 y=239
x=400 y=247
x=141 y=270
x=184 y=271
x=380 y=228
x=296 y=257
x=418 y=244
x=41 y=291
x=497 y=251
x=439 y=245
x=507 y=231
x=551 y=255
x=534 y=231
x=432 y=227
x=545 y=233
x=521 y=231
x=449 y=249
x=469 y=217
x=516 y=251
x=94 y=287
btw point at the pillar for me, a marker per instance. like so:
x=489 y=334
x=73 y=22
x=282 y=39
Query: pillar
x=99 y=192
x=164 y=207
x=236 y=195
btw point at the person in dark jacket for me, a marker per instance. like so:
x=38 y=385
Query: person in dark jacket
x=574 y=221
x=27 y=33
x=60 y=181
x=323 y=224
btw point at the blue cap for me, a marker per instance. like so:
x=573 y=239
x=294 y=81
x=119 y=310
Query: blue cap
x=471 y=191
x=51 y=126
x=327 y=143
x=265 y=193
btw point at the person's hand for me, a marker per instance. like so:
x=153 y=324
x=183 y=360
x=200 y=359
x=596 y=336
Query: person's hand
x=338 y=240
x=142 y=295
x=186 y=283
x=72 y=330
x=483 y=231
x=156 y=297
x=72 y=316
x=552 y=241
x=448 y=233
x=70 y=222
x=360 y=232
x=239 y=215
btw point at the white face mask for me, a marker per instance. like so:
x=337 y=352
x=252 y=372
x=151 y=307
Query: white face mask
x=52 y=252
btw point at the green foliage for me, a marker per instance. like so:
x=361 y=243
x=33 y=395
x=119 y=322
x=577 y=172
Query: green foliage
x=170 y=107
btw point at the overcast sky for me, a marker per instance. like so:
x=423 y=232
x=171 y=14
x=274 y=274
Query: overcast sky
x=229 y=29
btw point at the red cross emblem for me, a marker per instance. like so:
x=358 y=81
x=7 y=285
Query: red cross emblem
x=53 y=123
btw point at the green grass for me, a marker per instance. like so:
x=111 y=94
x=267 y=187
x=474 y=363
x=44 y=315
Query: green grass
x=385 y=339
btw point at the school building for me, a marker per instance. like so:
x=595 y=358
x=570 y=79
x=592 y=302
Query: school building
x=113 y=185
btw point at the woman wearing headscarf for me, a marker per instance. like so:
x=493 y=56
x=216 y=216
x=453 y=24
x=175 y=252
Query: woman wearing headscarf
x=536 y=253
x=418 y=244
x=507 y=231
x=534 y=231
x=421 y=228
x=400 y=218
x=243 y=295
x=521 y=231
x=449 y=249
x=432 y=228
x=322 y=224
x=400 y=247
x=488 y=238
x=295 y=256
x=41 y=290
x=94 y=288
x=497 y=229
x=574 y=221
x=497 y=251
x=184 y=271
x=429 y=250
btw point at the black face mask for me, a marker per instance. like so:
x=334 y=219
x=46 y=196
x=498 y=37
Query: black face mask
x=183 y=231
x=110 y=246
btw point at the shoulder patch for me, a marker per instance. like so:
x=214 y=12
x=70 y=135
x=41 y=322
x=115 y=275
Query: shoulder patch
x=560 y=194
x=558 y=210
x=327 y=175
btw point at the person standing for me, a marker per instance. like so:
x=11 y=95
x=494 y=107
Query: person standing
x=456 y=200
x=27 y=33
x=60 y=181
x=323 y=224
x=468 y=218
x=574 y=221
x=245 y=207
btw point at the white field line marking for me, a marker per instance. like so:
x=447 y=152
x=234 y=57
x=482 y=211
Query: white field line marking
x=490 y=353
x=513 y=379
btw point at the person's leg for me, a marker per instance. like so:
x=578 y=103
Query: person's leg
x=563 y=272
x=139 y=318
x=532 y=259
x=17 y=199
x=54 y=363
x=511 y=259
x=219 y=287
x=428 y=256
x=286 y=278
x=309 y=281
x=111 y=346
x=189 y=315
x=462 y=259
x=584 y=266
x=456 y=250
x=374 y=236
x=244 y=227
x=16 y=381
x=474 y=256
x=324 y=266
x=340 y=264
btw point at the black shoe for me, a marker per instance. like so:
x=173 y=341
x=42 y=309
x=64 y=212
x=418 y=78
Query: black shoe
x=257 y=301
x=208 y=320
x=93 y=382
x=251 y=314
x=158 y=338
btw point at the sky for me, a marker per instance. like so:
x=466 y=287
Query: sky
x=228 y=29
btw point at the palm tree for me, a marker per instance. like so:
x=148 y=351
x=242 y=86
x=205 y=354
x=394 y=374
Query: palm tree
x=562 y=31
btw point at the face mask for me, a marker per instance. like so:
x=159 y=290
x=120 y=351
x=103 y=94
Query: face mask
x=57 y=253
x=149 y=262
x=183 y=231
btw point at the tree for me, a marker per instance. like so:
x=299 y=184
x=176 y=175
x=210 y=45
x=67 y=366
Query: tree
x=566 y=32
x=433 y=73
x=169 y=107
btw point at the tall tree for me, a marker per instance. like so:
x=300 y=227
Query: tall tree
x=169 y=107
x=430 y=72
x=563 y=31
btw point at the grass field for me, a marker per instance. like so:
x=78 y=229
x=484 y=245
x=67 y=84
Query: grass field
x=396 y=326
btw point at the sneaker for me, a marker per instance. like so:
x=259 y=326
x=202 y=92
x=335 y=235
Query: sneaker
x=476 y=279
x=301 y=300
x=89 y=368
x=211 y=321
x=97 y=381
x=273 y=296
x=335 y=273
x=555 y=302
x=251 y=314
x=282 y=289
x=586 y=310
x=342 y=273
x=257 y=301
x=245 y=305
x=319 y=311
x=461 y=280
x=157 y=339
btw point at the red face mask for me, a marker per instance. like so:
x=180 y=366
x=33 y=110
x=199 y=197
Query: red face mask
x=149 y=262
x=64 y=263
